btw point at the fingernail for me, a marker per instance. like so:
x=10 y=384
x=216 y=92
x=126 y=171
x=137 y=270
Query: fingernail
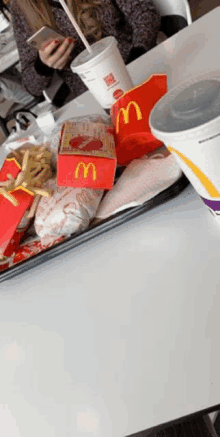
x=56 y=41
x=70 y=40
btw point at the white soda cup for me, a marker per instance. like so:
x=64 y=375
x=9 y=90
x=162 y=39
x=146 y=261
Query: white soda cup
x=187 y=120
x=103 y=71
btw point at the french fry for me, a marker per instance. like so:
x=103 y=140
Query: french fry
x=8 y=196
x=25 y=160
x=33 y=207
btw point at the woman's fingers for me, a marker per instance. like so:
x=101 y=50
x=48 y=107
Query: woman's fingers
x=56 y=55
x=47 y=50
x=62 y=61
x=46 y=44
x=60 y=52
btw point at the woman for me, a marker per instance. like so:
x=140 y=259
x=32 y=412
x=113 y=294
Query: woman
x=10 y=81
x=134 y=23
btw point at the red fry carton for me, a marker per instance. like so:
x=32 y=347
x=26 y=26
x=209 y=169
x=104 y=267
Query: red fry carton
x=9 y=238
x=130 y=116
x=10 y=167
x=86 y=155
x=10 y=218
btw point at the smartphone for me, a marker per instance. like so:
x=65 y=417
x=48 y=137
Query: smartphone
x=44 y=34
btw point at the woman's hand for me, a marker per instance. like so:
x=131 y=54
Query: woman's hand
x=56 y=55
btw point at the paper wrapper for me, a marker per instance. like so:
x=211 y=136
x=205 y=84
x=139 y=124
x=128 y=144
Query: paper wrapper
x=142 y=180
x=130 y=116
x=67 y=211
x=32 y=248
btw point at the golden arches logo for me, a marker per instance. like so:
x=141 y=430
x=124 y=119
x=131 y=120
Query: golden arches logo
x=210 y=188
x=86 y=168
x=125 y=113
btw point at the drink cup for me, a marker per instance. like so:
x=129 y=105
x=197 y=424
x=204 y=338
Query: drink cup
x=103 y=71
x=187 y=120
x=45 y=117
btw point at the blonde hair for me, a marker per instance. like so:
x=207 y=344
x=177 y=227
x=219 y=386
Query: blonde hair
x=39 y=13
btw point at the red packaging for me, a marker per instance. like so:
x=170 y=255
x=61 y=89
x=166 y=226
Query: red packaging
x=21 y=178
x=33 y=247
x=130 y=116
x=10 y=167
x=86 y=156
x=10 y=217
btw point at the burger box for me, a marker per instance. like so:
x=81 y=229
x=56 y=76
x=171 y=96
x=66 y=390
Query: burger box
x=86 y=156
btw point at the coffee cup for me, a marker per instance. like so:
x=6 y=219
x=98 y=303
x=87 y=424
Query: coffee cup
x=187 y=120
x=103 y=71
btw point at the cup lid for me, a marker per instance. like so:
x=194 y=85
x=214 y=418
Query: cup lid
x=98 y=48
x=189 y=105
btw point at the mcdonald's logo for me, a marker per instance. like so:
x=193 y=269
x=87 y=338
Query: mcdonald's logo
x=210 y=188
x=86 y=170
x=125 y=113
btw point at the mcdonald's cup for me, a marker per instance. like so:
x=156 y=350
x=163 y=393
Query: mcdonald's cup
x=103 y=71
x=86 y=155
x=187 y=120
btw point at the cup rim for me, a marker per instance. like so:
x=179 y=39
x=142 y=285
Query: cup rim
x=88 y=64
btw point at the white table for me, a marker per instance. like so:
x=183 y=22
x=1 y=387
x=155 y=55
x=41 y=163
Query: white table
x=122 y=333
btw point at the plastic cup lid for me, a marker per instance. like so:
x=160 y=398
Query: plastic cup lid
x=189 y=105
x=85 y=59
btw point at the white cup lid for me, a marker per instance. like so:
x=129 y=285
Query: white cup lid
x=86 y=59
x=191 y=104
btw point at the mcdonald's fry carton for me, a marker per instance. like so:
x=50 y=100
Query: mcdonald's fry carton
x=13 y=205
x=130 y=116
x=86 y=155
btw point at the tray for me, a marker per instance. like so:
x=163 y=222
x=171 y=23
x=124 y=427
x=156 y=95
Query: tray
x=96 y=229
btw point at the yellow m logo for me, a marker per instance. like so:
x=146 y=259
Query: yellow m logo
x=125 y=113
x=210 y=188
x=86 y=170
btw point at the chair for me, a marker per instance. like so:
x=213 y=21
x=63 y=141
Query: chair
x=174 y=7
x=175 y=15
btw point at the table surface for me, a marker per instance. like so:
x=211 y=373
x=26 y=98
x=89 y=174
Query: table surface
x=122 y=333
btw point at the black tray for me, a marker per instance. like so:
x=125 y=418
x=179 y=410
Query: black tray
x=95 y=229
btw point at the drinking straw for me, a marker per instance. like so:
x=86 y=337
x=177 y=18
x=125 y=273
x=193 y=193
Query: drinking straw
x=75 y=25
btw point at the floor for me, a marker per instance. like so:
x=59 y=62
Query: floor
x=201 y=7
x=198 y=8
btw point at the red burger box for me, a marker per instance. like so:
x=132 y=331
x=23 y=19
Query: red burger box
x=10 y=214
x=86 y=155
x=130 y=117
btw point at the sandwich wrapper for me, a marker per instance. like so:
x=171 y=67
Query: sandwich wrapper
x=142 y=180
x=130 y=116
